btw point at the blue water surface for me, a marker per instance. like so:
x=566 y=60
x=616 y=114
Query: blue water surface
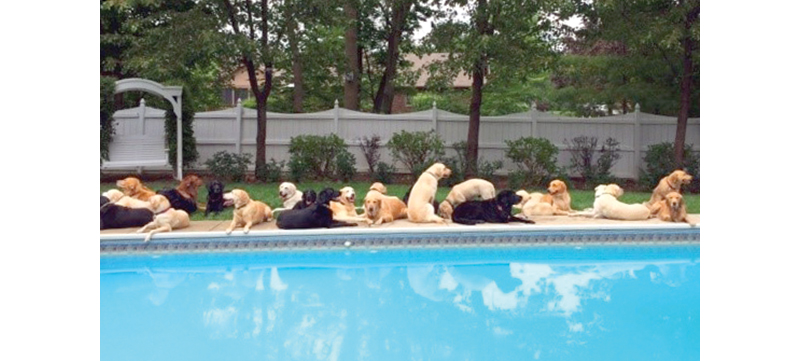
x=535 y=303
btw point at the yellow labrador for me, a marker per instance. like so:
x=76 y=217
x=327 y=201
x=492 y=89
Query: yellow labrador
x=378 y=186
x=289 y=194
x=466 y=191
x=156 y=203
x=672 y=209
x=420 y=209
x=246 y=212
x=379 y=208
x=607 y=205
x=670 y=183
x=166 y=222
x=344 y=207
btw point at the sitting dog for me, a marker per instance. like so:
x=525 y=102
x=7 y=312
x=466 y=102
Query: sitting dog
x=465 y=191
x=558 y=196
x=378 y=186
x=246 y=212
x=671 y=209
x=344 y=207
x=134 y=188
x=317 y=215
x=185 y=195
x=495 y=210
x=606 y=205
x=380 y=208
x=423 y=193
x=155 y=204
x=289 y=194
x=116 y=216
x=309 y=198
x=215 y=201
x=166 y=222
x=670 y=183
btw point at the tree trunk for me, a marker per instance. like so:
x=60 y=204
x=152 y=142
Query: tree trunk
x=298 y=92
x=352 y=74
x=686 y=86
x=385 y=95
x=474 y=120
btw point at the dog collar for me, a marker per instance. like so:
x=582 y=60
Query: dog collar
x=240 y=207
x=434 y=175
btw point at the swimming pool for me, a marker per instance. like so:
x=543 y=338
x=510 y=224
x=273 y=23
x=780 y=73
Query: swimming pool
x=566 y=296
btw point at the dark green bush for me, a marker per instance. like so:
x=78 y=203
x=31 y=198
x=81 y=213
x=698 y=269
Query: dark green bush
x=272 y=172
x=345 y=166
x=536 y=157
x=229 y=166
x=582 y=151
x=371 y=146
x=660 y=162
x=384 y=173
x=457 y=164
x=318 y=157
x=107 y=89
x=416 y=150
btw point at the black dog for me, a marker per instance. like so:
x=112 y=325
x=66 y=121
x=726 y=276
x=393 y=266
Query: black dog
x=309 y=198
x=215 y=192
x=177 y=201
x=114 y=216
x=435 y=202
x=317 y=215
x=495 y=210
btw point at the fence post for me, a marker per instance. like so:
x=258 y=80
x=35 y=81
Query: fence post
x=534 y=131
x=336 y=117
x=637 y=139
x=435 y=118
x=142 y=109
x=239 y=123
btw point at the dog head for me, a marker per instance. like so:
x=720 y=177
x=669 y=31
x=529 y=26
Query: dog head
x=215 y=187
x=674 y=201
x=239 y=197
x=378 y=186
x=600 y=190
x=524 y=195
x=373 y=202
x=286 y=190
x=327 y=195
x=614 y=190
x=446 y=209
x=190 y=184
x=679 y=177
x=113 y=195
x=130 y=186
x=557 y=187
x=439 y=171
x=158 y=203
x=347 y=195
x=309 y=197
x=507 y=199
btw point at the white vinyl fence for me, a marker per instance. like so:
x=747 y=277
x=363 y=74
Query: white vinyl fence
x=234 y=130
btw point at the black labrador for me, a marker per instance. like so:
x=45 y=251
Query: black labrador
x=495 y=210
x=435 y=202
x=114 y=216
x=309 y=198
x=177 y=201
x=317 y=215
x=215 y=203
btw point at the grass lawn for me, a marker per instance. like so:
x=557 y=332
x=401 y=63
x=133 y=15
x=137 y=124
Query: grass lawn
x=268 y=193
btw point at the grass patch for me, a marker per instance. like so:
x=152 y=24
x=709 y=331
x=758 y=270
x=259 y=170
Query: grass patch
x=268 y=193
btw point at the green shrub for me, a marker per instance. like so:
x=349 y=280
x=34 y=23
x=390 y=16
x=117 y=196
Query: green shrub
x=107 y=89
x=384 y=173
x=536 y=157
x=416 y=150
x=660 y=162
x=297 y=169
x=229 y=166
x=582 y=151
x=319 y=157
x=345 y=166
x=457 y=164
x=371 y=146
x=272 y=171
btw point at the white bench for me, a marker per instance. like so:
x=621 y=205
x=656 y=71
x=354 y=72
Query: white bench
x=136 y=152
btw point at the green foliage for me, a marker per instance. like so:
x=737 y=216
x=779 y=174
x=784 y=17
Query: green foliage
x=384 y=173
x=582 y=151
x=371 y=147
x=229 y=166
x=272 y=172
x=660 y=162
x=416 y=150
x=345 y=166
x=457 y=164
x=107 y=89
x=190 y=154
x=535 y=156
x=319 y=157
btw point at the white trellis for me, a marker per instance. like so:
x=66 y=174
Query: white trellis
x=141 y=150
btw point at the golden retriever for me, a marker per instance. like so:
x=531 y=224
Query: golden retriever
x=134 y=188
x=378 y=186
x=670 y=183
x=607 y=205
x=166 y=222
x=289 y=194
x=465 y=191
x=671 y=209
x=379 y=208
x=558 y=196
x=189 y=185
x=113 y=195
x=156 y=203
x=420 y=209
x=246 y=212
x=343 y=208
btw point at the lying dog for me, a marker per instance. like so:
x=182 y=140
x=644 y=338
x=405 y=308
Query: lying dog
x=289 y=194
x=113 y=195
x=532 y=205
x=317 y=215
x=495 y=210
x=378 y=186
x=116 y=216
x=134 y=188
x=670 y=183
x=558 y=196
x=166 y=222
x=184 y=197
x=246 y=212
x=309 y=198
x=344 y=207
x=379 y=208
x=607 y=205
x=155 y=204
x=423 y=193
x=215 y=201
x=671 y=209
x=465 y=191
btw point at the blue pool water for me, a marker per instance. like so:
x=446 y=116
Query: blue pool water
x=530 y=303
